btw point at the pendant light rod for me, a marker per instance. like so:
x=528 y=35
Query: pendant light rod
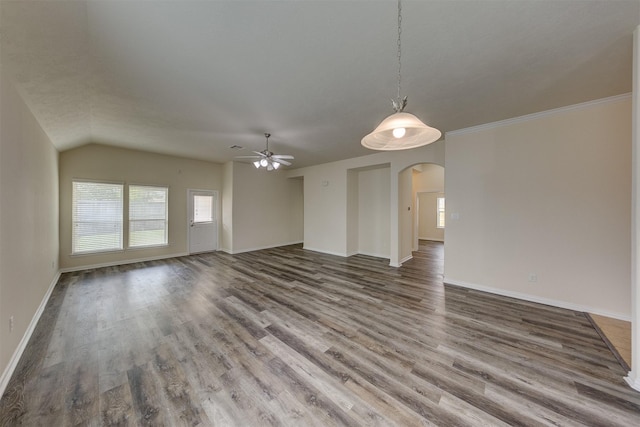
x=399 y=103
x=399 y=47
x=401 y=130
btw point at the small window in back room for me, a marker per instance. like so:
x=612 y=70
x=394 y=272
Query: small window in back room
x=440 y=214
x=148 y=216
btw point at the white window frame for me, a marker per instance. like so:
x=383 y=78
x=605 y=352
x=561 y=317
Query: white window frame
x=439 y=211
x=164 y=219
x=117 y=220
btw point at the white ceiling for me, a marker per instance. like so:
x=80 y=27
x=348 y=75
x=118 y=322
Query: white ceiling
x=192 y=78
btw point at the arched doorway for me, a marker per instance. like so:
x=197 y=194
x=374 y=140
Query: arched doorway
x=421 y=194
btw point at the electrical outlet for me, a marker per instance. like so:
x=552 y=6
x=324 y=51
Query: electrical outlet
x=533 y=277
x=11 y=324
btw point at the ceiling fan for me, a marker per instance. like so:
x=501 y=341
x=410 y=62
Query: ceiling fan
x=266 y=158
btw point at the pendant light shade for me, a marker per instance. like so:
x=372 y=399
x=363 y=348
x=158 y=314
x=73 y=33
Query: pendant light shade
x=400 y=131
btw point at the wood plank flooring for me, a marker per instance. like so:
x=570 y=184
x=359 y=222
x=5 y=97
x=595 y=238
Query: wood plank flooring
x=617 y=335
x=286 y=336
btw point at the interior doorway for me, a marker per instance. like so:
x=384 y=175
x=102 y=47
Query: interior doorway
x=422 y=188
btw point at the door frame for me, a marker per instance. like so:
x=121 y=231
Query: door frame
x=216 y=212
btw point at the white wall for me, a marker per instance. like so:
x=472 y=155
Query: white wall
x=267 y=209
x=428 y=217
x=227 y=206
x=373 y=212
x=353 y=212
x=406 y=211
x=633 y=378
x=325 y=208
x=547 y=194
x=430 y=178
x=28 y=222
x=427 y=178
x=105 y=163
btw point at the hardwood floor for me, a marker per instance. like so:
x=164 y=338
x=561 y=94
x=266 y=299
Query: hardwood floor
x=617 y=335
x=291 y=337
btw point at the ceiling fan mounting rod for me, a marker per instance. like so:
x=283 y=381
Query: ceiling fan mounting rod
x=267 y=135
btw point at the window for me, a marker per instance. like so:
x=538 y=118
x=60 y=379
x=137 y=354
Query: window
x=96 y=217
x=202 y=209
x=440 y=215
x=148 y=216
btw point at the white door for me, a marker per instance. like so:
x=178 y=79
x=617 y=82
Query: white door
x=203 y=224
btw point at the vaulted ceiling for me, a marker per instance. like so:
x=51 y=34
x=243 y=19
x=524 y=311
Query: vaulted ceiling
x=192 y=78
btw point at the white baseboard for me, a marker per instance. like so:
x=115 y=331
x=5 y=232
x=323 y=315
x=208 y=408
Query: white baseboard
x=122 y=262
x=431 y=238
x=386 y=256
x=405 y=259
x=633 y=380
x=259 y=248
x=537 y=299
x=17 y=354
x=399 y=264
x=322 y=251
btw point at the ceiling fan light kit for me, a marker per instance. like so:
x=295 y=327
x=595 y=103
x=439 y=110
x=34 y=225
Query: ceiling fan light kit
x=401 y=130
x=268 y=164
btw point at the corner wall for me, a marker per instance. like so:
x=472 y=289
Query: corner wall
x=266 y=210
x=28 y=224
x=406 y=210
x=373 y=212
x=325 y=208
x=227 y=207
x=543 y=207
x=633 y=377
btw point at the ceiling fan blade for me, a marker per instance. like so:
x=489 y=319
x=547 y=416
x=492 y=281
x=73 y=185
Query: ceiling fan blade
x=248 y=157
x=259 y=153
x=283 y=156
x=283 y=162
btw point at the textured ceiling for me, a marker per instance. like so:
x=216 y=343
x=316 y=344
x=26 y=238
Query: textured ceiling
x=192 y=78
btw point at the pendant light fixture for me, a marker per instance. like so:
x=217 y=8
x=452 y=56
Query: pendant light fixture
x=401 y=130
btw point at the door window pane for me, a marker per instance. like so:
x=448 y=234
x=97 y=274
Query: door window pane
x=202 y=208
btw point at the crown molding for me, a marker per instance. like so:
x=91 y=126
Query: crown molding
x=533 y=116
